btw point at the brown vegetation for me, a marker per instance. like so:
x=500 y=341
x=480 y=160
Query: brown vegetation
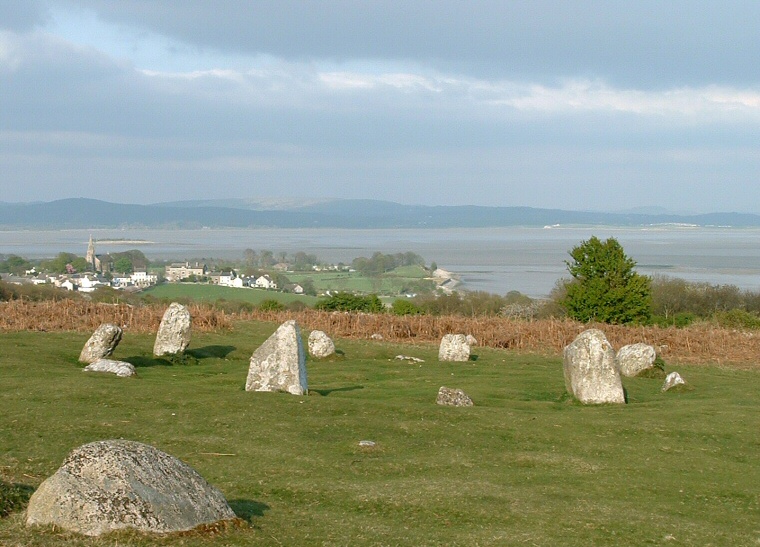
x=701 y=343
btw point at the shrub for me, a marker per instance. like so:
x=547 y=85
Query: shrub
x=405 y=307
x=738 y=319
x=344 y=301
x=679 y=320
x=271 y=305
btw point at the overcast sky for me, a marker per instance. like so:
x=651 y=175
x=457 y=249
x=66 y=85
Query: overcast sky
x=587 y=105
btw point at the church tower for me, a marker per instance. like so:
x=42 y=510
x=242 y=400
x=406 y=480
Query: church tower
x=90 y=257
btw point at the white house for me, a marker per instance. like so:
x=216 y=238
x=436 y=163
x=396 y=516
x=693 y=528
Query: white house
x=265 y=282
x=143 y=279
x=88 y=283
x=121 y=281
x=67 y=284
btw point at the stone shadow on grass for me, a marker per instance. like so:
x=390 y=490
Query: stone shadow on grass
x=326 y=392
x=188 y=357
x=13 y=497
x=210 y=352
x=247 y=509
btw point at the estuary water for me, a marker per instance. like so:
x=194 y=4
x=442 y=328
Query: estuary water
x=497 y=260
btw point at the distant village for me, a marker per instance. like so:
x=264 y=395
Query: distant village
x=101 y=272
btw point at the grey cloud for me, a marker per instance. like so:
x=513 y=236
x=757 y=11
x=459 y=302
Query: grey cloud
x=22 y=15
x=642 y=44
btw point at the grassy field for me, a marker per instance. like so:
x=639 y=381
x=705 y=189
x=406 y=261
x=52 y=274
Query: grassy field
x=402 y=279
x=525 y=466
x=202 y=292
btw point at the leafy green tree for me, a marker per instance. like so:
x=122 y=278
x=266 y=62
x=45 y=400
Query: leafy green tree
x=14 y=264
x=58 y=264
x=79 y=264
x=605 y=287
x=308 y=287
x=123 y=265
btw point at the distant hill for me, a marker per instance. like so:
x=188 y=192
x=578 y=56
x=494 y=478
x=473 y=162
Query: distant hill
x=88 y=213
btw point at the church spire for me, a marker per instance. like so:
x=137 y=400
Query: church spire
x=90 y=258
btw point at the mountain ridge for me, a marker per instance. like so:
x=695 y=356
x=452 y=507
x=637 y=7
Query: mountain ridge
x=84 y=213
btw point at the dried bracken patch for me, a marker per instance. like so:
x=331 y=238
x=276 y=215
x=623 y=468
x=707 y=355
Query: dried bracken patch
x=702 y=343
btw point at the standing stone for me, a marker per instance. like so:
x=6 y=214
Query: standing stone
x=119 y=368
x=470 y=339
x=453 y=397
x=590 y=372
x=320 y=345
x=672 y=380
x=174 y=332
x=102 y=343
x=279 y=364
x=634 y=359
x=454 y=347
x=111 y=485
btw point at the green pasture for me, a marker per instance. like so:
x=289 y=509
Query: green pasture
x=405 y=278
x=202 y=292
x=525 y=466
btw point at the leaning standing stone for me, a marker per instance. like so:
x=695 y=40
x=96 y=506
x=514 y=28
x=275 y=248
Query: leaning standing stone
x=453 y=397
x=174 y=332
x=634 y=359
x=102 y=343
x=279 y=364
x=112 y=485
x=119 y=368
x=590 y=372
x=320 y=345
x=672 y=380
x=454 y=347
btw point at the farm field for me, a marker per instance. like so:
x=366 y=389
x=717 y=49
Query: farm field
x=203 y=292
x=405 y=279
x=525 y=466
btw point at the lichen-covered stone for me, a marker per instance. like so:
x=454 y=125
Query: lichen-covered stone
x=453 y=397
x=634 y=359
x=320 y=345
x=119 y=368
x=102 y=343
x=279 y=364
x=116 y=484
x=673 y=380
x=174 y=332
x=454 y=347
x=471 y=340
x=590 y=372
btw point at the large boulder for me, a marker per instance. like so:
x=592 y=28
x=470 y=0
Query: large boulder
x=320 y=345
x=453 y=397
x=454 y=347
x=635 y=359
x=119 y=368
x=111 y=485
x=173 y=335
x=590 y=372
x=102 y=343
x=279 y=364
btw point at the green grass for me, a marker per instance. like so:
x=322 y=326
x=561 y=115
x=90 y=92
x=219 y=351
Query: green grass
x=203 y=292
x=391 y=283
x=525 y=466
